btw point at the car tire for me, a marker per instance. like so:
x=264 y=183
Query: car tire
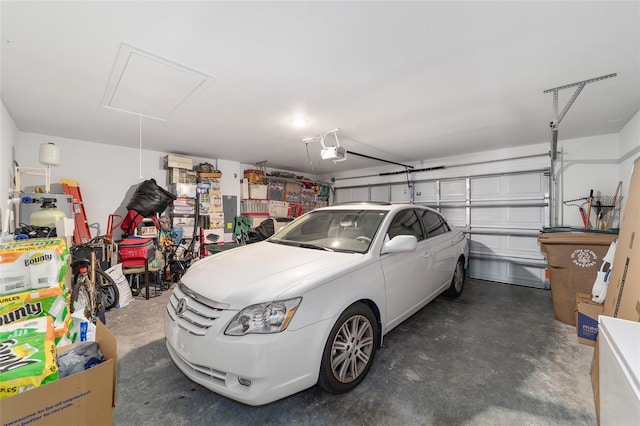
x=457 y=282
x=350 y=350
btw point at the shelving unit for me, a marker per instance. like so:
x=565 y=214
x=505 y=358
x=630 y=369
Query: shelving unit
x=199 y=203
x=281 y=197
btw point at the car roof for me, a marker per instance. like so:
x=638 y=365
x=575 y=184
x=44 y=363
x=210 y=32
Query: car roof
x=378 y=206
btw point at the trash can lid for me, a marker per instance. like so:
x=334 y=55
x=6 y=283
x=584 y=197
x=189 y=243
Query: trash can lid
x=576 y=236
x=553 y=229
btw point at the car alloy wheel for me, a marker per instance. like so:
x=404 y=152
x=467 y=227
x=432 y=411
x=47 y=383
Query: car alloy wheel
x=457 y=282
x=350 y=350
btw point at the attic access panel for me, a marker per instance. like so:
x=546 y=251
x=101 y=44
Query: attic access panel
x=147 y=84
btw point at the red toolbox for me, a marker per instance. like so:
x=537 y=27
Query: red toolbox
x=134 y=251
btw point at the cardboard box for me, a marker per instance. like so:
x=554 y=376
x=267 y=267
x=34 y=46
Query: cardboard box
x=623 y=294
x=587 y=318
x=183 y=189
x=178 y=162
x=573 y=259
x=184 y=222
x=278 y=208
x=257 y=192
x=86 y=398
x=182 y=176
x=213 y=236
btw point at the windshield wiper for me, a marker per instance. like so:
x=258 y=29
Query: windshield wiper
x=314 y=246
x=301 y=244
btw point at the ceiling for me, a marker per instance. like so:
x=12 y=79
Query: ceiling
x=402 y=81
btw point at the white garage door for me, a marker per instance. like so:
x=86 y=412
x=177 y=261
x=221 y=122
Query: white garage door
x=502 y=213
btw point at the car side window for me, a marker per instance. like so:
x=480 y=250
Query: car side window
x=406 y=222
x=434 y=224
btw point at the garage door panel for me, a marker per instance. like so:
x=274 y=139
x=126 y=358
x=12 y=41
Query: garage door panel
x=509 y=187
x=453 y=190
x=507 y=272
x=524 y=244
x=526 y=217
x=457 y=216
x=506 y=245
x=344 y=195
x=526 y=184
x=380 y=194
x=508 y=217
x=486 y=216
x=426 y=192
x=400 y=193
x=485 y=188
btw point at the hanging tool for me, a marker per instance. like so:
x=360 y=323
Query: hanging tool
x=599 y=221
x=613 y=206
x=583 y=216
x=589 y=210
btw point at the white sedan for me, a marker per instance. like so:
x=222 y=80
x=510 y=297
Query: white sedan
x=311 y=304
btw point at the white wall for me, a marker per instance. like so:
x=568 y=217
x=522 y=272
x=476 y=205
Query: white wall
x=8 y=140
x=586 y=164
x=629 y=151
x=108 y=175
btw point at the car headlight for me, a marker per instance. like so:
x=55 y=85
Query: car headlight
x=264 y=318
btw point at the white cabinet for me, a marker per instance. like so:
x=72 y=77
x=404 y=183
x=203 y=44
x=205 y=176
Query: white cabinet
x=619 y=345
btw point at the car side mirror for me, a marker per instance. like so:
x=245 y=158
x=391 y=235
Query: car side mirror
x=400 y=244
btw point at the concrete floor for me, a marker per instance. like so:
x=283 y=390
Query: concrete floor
x=494 y=356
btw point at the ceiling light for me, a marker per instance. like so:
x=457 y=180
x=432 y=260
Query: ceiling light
x=298 y=122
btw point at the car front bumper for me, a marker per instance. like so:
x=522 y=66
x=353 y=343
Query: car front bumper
x=276 y=365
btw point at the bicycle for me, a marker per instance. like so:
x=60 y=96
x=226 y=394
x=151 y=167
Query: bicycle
x=93 y=289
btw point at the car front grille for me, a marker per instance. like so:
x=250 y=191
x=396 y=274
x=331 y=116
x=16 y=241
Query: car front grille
x=193 y=312
x=205 y=373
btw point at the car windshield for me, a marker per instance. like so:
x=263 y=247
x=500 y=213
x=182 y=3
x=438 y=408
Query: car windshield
x=333 y=230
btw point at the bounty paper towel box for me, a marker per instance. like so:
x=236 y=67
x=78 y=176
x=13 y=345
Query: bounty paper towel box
x=32 y=264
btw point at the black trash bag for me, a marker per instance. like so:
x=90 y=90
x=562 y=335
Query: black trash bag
x=149 y=198
x=261 y=232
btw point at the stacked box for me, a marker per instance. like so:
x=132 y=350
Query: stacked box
x=211 y=209
x=177 y=161
x=587 y=318
x=278 y=208
x=40 y=266
x=176 y=175
x=32 y=264
x=254 y=176
x=183 y=190
x=292 y=192
x=257 y=192
x=28 y=356
x=52 y=302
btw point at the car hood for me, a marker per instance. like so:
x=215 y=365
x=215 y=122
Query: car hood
x=265 y=271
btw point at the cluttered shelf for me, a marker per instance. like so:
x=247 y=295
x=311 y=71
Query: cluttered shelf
x=281 y=194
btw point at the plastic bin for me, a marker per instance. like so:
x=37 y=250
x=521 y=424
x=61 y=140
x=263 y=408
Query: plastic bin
x=573 y=259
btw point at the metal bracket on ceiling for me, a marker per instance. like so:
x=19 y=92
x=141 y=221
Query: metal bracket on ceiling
x=557 y=117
